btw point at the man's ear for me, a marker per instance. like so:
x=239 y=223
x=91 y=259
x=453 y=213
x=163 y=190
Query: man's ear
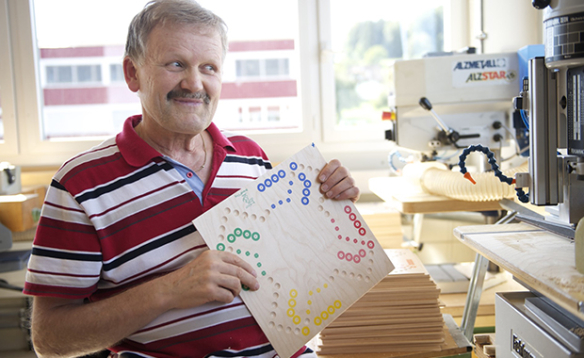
x=131 y=74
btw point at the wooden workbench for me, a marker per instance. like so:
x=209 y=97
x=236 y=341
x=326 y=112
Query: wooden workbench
x=544 y=261
x=410 y=198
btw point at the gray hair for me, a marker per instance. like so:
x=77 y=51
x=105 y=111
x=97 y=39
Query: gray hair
x=187 y=12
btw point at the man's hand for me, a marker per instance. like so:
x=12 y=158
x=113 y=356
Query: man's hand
x=336 y=182
x=213 y=276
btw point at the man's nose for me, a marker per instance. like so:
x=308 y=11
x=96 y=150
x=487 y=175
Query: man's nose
x=192 y=81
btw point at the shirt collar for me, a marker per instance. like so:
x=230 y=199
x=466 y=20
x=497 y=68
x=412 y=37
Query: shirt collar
x=139 y=153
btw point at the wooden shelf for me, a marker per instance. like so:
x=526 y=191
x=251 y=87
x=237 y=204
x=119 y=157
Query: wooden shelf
x=542 y=260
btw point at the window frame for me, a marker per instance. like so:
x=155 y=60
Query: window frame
x=362 y=149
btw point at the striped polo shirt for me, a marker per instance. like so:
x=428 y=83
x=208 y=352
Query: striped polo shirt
x=119 y=214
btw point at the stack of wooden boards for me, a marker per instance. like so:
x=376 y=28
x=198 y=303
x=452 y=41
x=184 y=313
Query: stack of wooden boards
x=400 y=314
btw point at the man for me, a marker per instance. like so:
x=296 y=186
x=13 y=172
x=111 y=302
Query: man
x=115 y=262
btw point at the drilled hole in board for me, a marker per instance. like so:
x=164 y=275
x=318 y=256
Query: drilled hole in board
x=253 y=216
x=270 y=280
x=320 y=208
x=321 y=199
x=309 y=168
x=327 y=214
x=227 y=211
x=336 y=271
x=221 y=237
x=367 y=279
x=222 y=228
x=244 y=215
x=369 y=270
x=236 y=212
x=274 y=304
x=280 y=328
x=267 y=212
x=301 y=167
x=230 y=248
x=296 y=331
x=224 y=219
x=331 y=278
x=271 y=325
x=262 y=219
x=351 y=275
x=277 y=286
x=272 y=315
x=359 y=277
x=276 y=295
x=343 y=273
x=288 y=330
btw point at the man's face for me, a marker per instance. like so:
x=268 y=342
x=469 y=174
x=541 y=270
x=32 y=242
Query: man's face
x=179 y=80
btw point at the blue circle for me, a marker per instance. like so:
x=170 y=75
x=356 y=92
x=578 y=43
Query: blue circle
x=275 y=178
x=305 y=192
x=268 y=182
x=305 y=200
x=280 y=202
x=288 y=200
x=293 y=166
x=281 y=173
x=301 y=176
x=273 y=206
x=261 y=187
x=291 y=182
x=289 y=191
x=307 y=183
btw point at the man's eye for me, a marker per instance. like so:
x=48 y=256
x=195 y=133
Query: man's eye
x=176 y=64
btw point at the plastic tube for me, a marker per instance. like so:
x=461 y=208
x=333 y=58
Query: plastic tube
x=438 y=180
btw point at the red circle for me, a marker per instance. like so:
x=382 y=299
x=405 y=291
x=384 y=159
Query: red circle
x=357 y=259
x=349 y=256
x=340 y=237
x=355 y=240
x=362 y=253
x=347 y=238
x=347 y=209
x=332 y=220
x=370 y=244
x=357 y=224
x=341 y=255
x=362 y=242
x=362 y=232
x=352 y=216
x=337 y=228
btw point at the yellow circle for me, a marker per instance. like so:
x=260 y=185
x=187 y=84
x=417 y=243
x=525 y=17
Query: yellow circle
x=307 y=311
x=296 y=319
x=331 y=309
x=309 y=302
x=325 y=285
x=317 y=321
x=291 y=312
x=337 y=304
x=293 y=293
x=292 y=302
x=306 y=331
x=310 y=293
x=324 y=315
x=318 y=290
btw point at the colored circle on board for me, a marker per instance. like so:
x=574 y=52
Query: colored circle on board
x=352 y=216
x=290 y=312
x=293 y=166
x=307 y=183
x=348 y=209
x=261 y=187
x=220 y=247
x=281 y=173
x=238 y=232
x=305 y=192
x=302 y=176
x=275 y=178
x=306 y=331
x=362 y=232
x=305 y=201
x=231 y=238
x=268 y=183
x=255 y=236
x=246 y=234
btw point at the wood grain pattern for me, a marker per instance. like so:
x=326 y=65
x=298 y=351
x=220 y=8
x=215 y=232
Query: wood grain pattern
x=314 y=256
x=540 y=259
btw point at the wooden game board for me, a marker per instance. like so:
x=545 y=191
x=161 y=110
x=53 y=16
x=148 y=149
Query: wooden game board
x=314 y=256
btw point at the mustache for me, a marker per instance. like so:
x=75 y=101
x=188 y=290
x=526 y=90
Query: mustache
x=189 y=95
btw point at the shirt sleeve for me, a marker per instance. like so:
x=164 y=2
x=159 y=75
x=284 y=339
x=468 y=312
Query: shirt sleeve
x=66 y=258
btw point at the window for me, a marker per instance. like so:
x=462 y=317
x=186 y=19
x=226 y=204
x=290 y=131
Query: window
x=361 y=44
x=301 y=82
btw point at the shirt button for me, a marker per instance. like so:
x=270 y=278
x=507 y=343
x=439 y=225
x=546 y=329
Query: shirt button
x=189 y=175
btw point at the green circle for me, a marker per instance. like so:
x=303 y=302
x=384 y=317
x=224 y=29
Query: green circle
x=238 y=251
x=259 y=264
x=246 y=234
x=220 y=247
x=231 y=238
x=247 y=253
x=263 y=273
x=237 y=232
x=256 y=255
x=255 y=236
x=245 y=288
